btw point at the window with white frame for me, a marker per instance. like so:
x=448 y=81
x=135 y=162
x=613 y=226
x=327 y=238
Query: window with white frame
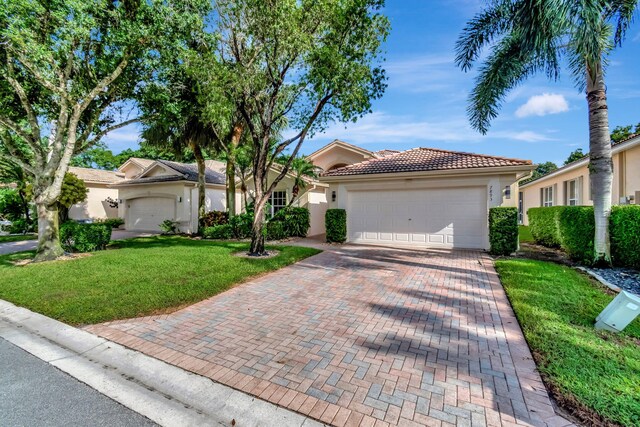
x=277 y=201
x=573 y=192
x=547 y=196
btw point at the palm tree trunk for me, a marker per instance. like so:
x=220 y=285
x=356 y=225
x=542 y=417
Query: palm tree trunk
x=601 y=163
x=197 y=152
x=231 y=185
x=49 y=247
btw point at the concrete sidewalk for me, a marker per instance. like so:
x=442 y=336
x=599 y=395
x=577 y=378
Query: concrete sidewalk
x=165 y=394
x=28 y=245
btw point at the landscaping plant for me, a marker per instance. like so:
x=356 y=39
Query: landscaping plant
x=77 y=237
x=625 y=236
x=576 y=227
x=544 y=225
x=503 y=230
x=335 y=221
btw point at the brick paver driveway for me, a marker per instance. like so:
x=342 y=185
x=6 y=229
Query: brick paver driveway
x=362 y=336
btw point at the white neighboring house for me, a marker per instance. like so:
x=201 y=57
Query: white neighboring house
x=155 y=191
x=97 y=205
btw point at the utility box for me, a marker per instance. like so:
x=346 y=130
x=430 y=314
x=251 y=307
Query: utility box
x=619 y=313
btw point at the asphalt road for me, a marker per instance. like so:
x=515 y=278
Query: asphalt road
x=34 y=393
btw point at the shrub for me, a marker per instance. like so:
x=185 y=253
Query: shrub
x=296 y=221
x=22 y=226
x=221 y=231
x=77 y=237
x=11 y=206
x=577 y=230
x=169 y=227
x=276 y=230
x=624 y=229
x=336 y=225
x=543 y=223
x=112 y=222
x=241 y=225
x=503 y=230
x=215 y=218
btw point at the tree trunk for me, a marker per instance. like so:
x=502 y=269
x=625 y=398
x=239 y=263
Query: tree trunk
x=49 y=247
x=202 y=208
x=257 y=235
x=25 y=205
x=600 y=164
x=231 y=185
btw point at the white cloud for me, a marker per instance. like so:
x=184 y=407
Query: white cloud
x=382 y=128
x=542 y=105
x=426 y=74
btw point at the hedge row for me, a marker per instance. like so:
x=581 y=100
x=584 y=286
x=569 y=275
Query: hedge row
x=76 y=237
x=503 y=230
x=573 y=228
x=335 y=221
x=288 y=222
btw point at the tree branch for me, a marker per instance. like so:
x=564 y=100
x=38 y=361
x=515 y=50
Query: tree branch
x=83 y=142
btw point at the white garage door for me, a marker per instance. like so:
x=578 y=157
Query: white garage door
x=447 y=217
x=147 y=213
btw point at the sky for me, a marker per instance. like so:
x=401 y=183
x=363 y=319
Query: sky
x=426 y=99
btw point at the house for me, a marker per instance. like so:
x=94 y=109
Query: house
x=423 y=197
x=570 y=184
x=155 y=191
x=100 y=196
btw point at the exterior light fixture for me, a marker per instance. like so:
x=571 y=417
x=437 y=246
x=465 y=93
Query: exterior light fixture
x=507 y=192
x=333 y=196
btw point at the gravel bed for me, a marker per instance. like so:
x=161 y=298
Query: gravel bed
x=624 y=278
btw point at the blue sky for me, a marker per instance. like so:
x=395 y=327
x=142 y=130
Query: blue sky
x=426 y=99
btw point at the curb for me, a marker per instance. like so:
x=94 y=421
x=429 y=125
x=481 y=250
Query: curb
x=164 y=393
x=600 y=279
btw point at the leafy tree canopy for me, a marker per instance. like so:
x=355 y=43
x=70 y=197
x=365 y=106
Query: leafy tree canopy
x=621 y=133
x=575 y=155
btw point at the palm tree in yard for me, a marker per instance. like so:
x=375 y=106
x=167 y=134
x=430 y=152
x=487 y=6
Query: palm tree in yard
x=302 y=169
x=531 y=36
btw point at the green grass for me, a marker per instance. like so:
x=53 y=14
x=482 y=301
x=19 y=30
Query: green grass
x=524 y=234
x=17 y=238
x=133 y=278
x=556 y=307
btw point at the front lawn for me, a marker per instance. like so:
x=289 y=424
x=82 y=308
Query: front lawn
x=587 y=369
x=134 y=278
x=17 y=238
x=524 y=234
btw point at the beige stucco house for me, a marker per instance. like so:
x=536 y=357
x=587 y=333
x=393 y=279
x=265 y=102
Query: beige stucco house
x=100 y=197
x=422 y=197
x=570 y=184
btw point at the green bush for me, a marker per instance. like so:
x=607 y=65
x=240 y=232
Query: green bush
x=543 y=223
x=169 y=227
x=222 y=231
x=335 y=221
x=112 y=222
x=276 y=230
x=577 y=230
x=241 y=225
x=296 y=221
x=11 y=206
x=215 y=218
x=77 y=237
x=22 y=226
x=624 y=229
x=503 y=230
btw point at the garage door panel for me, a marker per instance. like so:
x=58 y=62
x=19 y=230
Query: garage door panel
x=147 y=213
x=449 y=217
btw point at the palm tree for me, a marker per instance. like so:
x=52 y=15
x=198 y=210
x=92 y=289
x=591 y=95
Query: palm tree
x=302 y=169
x=527 y=37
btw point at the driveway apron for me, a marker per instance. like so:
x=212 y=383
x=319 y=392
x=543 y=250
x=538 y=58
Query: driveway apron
x=362 y=336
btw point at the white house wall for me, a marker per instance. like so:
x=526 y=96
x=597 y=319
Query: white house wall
x=95 y=207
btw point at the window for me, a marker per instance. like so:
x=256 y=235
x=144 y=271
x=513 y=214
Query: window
x=573 y=192
x=547 y=196
x=277 y=201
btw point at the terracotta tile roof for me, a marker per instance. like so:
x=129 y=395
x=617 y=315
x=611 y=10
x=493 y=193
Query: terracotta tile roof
x=96 y=175
x=424 y=160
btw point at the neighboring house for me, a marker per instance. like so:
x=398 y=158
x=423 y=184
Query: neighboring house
x=100 y=196
x=570 y=184
x=421 y=197
x=155 y=191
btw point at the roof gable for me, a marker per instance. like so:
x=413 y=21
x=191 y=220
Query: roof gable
x=337 y=143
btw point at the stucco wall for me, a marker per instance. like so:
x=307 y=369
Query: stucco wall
x=95 y=207
x=337 y=155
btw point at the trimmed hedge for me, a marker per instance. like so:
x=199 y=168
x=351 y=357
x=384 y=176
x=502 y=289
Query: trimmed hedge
x=576 y=225
x=335 y=221
x=276 y=230
x=296 y=221
x=544 y=225
x=222 y=231
x=76 y=237
x=112 y=222
x=503 y=230
x=624 y=229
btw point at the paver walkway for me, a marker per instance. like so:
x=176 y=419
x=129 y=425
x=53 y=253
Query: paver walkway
x=362 y=336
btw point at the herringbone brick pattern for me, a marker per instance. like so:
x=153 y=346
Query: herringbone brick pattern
x=362 y=336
